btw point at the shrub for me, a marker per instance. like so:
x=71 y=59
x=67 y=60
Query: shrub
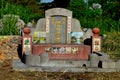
x=8 y=24
x=25 y=13
x=111 y=45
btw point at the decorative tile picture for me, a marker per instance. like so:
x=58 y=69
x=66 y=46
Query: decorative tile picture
x=97 y=44
x=27 y=48
x=68 y=50
x=76 y=37
x=26 y=41
x=62 y=50
x=74 y=50
x=27 y=45
x=39 y=37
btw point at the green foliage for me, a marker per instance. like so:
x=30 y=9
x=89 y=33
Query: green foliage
x=78 y=7
x=112 y=9
x=32 y=4
x=111 y=45
x=9 y=28
x=92 y=14
x=25 y=13
x=105 y=24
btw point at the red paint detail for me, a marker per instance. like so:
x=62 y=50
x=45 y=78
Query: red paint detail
x=100 y=38
x=96 y=31
x=26 y=31
x=83 y=51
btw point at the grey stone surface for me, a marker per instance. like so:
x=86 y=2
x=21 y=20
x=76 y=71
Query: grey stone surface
x=19 y=66
x=94 y=60
x=109 y=64
x=44 y=58
x=103 y=56
x=65 y=63
x=81 y=63
x=58 y=26
x=118 y=64
x=41 y=25
x=87 y=33
x=32 y=60
x=58 y=11
x=75 y=26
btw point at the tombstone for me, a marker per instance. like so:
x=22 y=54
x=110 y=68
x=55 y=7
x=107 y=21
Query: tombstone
x=52 y=39
x=59 y=24
x=58 y=31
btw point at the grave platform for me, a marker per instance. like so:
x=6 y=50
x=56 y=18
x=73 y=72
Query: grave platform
x=19 y=66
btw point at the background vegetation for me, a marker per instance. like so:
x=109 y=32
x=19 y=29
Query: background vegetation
x=104 y=14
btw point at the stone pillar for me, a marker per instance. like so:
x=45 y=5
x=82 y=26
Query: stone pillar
x=96 y=40
x=33 y=60
x=44 y=58
x=94 y=60
x=26 y=42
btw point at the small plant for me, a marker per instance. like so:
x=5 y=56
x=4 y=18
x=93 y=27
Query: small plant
x=8 y=25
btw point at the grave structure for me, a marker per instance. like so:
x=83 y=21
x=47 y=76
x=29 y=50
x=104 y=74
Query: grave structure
x=58 y=43
x=54 y=34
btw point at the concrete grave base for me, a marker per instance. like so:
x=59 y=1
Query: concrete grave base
x=118 y=64
x=44 y=63
x=109 y=64
x=19 y=66
x=32 y=60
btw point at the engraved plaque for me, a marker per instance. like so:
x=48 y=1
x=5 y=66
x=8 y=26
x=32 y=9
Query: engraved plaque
x=58 y=29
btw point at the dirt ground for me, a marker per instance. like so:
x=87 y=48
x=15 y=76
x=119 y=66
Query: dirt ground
x=7 y=73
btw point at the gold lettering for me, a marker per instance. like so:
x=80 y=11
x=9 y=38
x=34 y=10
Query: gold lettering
x=58 y=32
x=58 y=23
x=57 y=38
x=53 y=20
x=57 y=28
x=64 y=20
